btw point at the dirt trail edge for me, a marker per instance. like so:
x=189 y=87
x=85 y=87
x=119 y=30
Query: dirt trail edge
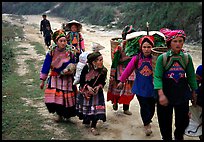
x=118 y=125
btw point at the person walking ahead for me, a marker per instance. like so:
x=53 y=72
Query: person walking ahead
x=43 y=24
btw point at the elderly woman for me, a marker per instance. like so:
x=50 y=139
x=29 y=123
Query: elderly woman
x=172 y=82
x=143 y=82
x=90 y=100
x=59 y=92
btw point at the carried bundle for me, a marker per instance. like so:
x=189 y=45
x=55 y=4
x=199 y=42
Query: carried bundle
x=132 y=45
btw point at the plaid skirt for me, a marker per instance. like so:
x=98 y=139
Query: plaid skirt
x=92 y=109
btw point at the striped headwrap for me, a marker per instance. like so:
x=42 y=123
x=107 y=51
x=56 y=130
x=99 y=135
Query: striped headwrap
x=57 y=34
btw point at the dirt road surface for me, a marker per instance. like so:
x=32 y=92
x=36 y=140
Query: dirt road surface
x=118 y=125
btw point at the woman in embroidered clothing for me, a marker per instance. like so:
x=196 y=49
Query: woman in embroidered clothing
x=172 y=82
x=119 y=63
x=59 y=92
x=143 y=83
x=74 y=37
x=91 y=106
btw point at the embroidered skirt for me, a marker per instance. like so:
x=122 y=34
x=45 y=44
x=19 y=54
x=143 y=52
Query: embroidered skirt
x=60 y=96
x=121 y=96
x=92 y=109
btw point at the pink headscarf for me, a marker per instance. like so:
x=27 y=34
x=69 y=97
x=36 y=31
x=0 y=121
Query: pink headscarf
x=171 y=34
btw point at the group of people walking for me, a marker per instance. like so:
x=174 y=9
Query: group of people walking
x=169 y=87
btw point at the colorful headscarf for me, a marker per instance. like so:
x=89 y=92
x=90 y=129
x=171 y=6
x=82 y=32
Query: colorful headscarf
x=93 y=56
x=57 y=34
x=171 y=34
x=127 y=30
x=149 y=37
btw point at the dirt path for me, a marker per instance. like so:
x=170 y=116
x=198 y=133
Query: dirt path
x=118 y=126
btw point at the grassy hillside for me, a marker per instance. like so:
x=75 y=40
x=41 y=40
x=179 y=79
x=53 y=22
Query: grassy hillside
x=174 y=15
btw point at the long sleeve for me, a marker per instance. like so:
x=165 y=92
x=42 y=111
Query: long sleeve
x=158 y=73
x=46 y=67
x=190 y=73
x=128 y=70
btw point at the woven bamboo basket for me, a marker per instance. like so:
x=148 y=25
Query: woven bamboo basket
x=114 y=43
x=156 y=51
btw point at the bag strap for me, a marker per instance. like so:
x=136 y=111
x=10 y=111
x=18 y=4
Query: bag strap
x=96 y=79
x=186 y=60
x=164 y=59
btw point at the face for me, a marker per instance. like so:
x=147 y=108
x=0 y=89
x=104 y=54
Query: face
x=146 y=49
x=177 y=44
x=99 y=62
x=61 y=42
x=74 y=28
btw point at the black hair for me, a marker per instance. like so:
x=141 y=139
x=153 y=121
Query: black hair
x=147 y=40
x=168 y=43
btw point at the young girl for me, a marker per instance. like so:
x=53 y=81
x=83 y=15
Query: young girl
x=91 y=107
x=143 y=83
x=74 y=37
x=59 y=92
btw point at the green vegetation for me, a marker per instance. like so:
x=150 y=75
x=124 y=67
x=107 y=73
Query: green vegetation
x=8 y=36
x=173 y=15
x=39 y=48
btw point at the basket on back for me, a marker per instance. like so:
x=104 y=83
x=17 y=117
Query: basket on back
x=156 y=51
x=114 y=43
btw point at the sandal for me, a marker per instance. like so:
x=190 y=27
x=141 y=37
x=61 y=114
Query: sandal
x=94 y=131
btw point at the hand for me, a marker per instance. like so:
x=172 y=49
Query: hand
x=67 y=72
x=162 y=98
x=42 y=84
x=96 y=89
x=91 y=90
x=120 y=85
x=194 y=98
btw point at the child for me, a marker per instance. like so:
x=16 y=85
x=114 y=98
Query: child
x=74 y=38
x=47 y=35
